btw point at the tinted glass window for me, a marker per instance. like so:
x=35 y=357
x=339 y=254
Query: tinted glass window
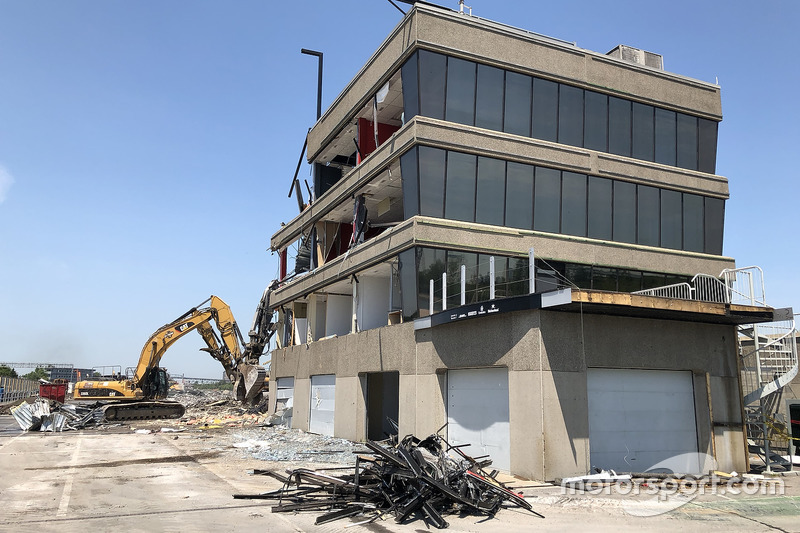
x=580 y=275
x=408 y=173
x=573 y=204
x=671 y=219
x=604 y=279
x=643 y=130
x=518 y=104
x=629 y=280
x=431 y=266
x=693 y=223
x=460 y=105
x=547 y=200
x=599 y=208
x=460 y=194
x=665 y=137
x=651 y=280
x=407 y=264
x=687 y=141
x=410 y=94
x=707 y=150
x=624 y=212
x=491 y=191
x=545 y=109
x=619 y=126
x=570 y=115
x=454 y=261
x=647 y=215
x=489 y=98
x=431 y=181
x=596 y=121
x=432 y=69
x=715 y=216
x=519 y=196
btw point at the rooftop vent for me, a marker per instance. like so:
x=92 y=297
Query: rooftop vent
x=640 y=57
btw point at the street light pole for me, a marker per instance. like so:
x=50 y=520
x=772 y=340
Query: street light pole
x=319 y=78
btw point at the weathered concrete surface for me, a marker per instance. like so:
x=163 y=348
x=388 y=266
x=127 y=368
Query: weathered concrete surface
x=117 y=480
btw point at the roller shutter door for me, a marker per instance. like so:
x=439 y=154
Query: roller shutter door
x=640 y=418
x=477 y=413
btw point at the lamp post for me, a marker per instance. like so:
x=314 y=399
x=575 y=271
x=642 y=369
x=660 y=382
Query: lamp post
x=319 y=78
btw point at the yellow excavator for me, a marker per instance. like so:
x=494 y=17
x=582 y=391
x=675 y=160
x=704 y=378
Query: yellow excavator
x=141 y=396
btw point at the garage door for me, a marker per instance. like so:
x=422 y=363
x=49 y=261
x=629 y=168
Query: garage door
x=639 y=419
x=322 y=404
x=477 y=413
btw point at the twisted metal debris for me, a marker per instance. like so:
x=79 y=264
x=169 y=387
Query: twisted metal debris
x=415 y=478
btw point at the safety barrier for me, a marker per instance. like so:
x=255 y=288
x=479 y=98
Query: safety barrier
x=13 y=389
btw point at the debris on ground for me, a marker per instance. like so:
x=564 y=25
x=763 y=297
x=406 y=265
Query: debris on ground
x=412 y=479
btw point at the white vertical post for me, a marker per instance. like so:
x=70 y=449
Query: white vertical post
x=430 y=299
x=491 y=278
x=444 y=291
x=463 y=284
x=531 y=272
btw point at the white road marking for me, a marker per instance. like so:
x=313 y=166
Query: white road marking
x=63 y=505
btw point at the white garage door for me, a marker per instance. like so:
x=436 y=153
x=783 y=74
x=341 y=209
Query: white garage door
x=477 y=413
x=641 y=419
x=323 y=398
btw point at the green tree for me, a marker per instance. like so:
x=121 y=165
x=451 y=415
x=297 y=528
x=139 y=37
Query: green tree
x=39 y=373
x=7 y=372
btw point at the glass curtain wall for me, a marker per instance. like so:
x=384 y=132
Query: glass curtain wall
x=457 y=90
x=453 y=185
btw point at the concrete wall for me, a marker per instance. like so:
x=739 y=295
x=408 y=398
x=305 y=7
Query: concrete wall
x=547 y=354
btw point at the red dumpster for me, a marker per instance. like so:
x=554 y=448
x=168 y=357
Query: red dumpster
x=53 y=391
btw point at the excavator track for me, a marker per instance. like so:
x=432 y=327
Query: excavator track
x=146 y=410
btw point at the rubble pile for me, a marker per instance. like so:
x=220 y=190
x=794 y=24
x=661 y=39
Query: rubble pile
x=49 y=415
x=279 y=443
x=412 y=479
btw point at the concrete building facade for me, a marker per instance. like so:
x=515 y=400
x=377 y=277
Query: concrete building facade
x=463 y=149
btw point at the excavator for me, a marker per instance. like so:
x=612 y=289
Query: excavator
x=142 y=395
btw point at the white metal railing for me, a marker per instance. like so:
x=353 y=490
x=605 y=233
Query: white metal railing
x=682 y=291
x=745 y=285
x=769 y=358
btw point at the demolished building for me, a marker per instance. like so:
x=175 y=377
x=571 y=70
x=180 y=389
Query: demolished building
x=494 y=214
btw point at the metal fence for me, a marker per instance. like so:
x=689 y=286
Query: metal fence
x=13 y=389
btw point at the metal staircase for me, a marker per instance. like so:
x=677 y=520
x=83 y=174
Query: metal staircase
x=768 y=355
x=768 y=362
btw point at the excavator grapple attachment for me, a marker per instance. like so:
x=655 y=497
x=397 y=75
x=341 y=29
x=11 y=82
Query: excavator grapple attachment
x=248 y=386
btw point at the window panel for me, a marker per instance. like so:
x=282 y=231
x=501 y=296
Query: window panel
x=431 y=266
x=547 y=200
x=596 y=121
x=409 y=293
x=410 y=88
x=573 y=204
x=460 y=193
x=489 y=98
x=651 y=280
x=624 y=212
x=619 y=126
x=714 y=223
x=432 y=69
x=545 y=109
x=665 y=137
x=517 y=118
x=519 y=196
x=643 y=131
x=604 y=279
x=600 y=197
x=687 y=141
x=454 y=261
x=410 y=183
x=629 y=280
x=491 y=191
x=580 y=275
x=570 y=115
x=647 y=215
x=671 y=220
x=460 y=102
x=707 y=146
x=693 y=234
x=431 y=181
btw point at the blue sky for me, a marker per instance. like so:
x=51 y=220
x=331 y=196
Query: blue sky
x=146 y=147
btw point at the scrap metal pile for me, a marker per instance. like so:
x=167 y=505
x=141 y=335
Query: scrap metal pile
x=412 y=479
x=47 y=415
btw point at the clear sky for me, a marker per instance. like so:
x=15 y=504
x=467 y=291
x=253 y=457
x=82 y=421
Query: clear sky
x=147 y=146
